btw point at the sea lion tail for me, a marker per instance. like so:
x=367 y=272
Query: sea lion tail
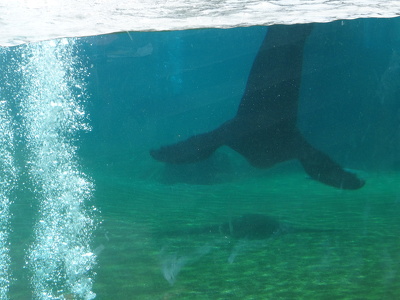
x=322 y=168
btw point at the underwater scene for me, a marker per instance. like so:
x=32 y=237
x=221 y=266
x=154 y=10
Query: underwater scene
x=244 y=163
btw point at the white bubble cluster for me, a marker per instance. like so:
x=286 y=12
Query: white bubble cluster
x=8 y=176
x=52 y=117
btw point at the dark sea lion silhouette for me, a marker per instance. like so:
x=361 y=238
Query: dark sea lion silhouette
x=264 y=129
x=247 y=226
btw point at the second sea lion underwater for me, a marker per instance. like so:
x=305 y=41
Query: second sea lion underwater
x=246 y=226
x=241 y=234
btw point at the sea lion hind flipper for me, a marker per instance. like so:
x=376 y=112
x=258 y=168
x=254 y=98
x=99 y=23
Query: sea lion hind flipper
x=194 y=149
x=322 y=168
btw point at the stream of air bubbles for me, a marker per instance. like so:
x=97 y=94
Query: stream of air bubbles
x=60 y=258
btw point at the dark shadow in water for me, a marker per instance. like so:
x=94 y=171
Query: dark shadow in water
x=245 y=233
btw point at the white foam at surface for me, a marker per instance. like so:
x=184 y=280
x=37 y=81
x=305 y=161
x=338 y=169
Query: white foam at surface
x=23 y=21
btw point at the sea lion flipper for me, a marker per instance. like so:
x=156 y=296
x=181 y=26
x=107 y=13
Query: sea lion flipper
x=264 y=129
x=194 y=149
x=322 y=168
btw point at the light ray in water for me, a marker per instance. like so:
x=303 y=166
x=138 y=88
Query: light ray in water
x=8 y=176
x=60 y=257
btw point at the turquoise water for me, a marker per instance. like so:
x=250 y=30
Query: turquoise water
x=147 y=89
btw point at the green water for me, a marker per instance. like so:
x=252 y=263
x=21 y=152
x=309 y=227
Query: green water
x=358 y=261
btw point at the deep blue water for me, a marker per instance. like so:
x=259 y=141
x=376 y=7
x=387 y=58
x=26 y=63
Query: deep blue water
x=148 y=89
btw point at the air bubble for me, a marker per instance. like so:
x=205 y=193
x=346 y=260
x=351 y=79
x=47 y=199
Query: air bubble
x=60 y=258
